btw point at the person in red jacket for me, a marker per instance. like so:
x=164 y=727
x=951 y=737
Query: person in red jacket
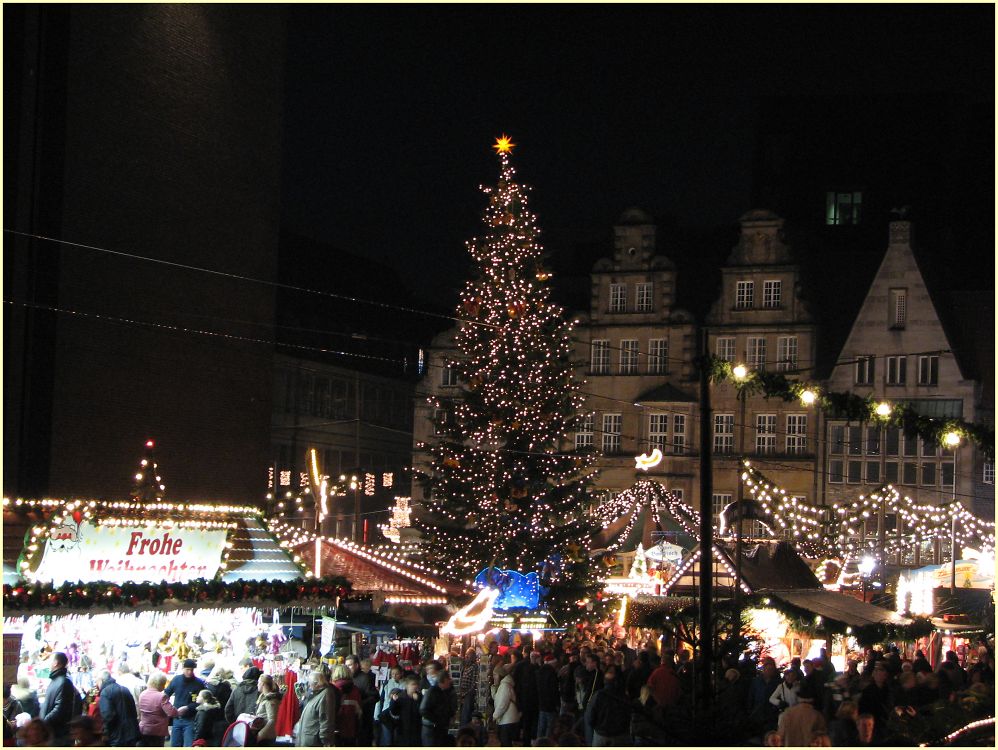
x=664 y=683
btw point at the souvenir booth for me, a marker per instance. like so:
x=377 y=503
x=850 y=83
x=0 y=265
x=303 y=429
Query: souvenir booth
x=149 y=584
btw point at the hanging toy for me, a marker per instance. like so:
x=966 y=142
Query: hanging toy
x=451 y=463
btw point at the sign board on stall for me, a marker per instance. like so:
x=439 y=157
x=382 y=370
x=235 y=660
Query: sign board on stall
x=327 y=639
x=89 y=552
x=11 y=657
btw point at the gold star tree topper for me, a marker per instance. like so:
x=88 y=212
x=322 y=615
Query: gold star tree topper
x=504 y=145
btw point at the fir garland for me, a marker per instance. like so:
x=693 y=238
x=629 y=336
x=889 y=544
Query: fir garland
x=852 y=407
x=37 y=598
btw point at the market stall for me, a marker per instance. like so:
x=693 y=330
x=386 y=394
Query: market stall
x=149 y=584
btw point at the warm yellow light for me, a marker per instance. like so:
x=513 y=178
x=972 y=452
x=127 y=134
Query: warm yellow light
x=883 y=409
x=808 y=397
x=951 y=439
x=504 y=145
x=740 y=372
x=647 y=461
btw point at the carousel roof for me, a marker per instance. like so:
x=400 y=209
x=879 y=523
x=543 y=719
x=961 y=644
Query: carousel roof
x=370 y=571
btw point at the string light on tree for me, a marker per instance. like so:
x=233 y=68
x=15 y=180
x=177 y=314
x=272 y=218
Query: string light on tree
x=501 y=491
x=147 y=484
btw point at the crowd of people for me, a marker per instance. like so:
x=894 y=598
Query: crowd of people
x=583 y=690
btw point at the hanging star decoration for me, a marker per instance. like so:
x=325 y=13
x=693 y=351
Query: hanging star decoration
x=646 y=461
x=504 y=145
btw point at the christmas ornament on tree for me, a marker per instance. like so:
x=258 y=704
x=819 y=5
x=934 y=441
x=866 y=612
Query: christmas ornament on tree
x=147 y=484
x=499 y=456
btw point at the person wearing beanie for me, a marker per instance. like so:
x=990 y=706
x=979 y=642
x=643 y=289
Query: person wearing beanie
x=184 y=689
x=244 y=697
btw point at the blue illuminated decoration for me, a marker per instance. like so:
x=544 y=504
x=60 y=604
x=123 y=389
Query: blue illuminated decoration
x=516 y=590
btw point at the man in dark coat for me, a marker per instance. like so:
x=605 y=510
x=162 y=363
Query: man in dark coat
x=363 y=680
x=62 y=702
x=876 y=699
x=244 y=696
x=525 y=688
x=609 y=714
x=436 y=710
x=548 y=696
x=117 y=710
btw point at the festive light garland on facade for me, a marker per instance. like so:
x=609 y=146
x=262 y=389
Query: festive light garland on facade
x=852 y=407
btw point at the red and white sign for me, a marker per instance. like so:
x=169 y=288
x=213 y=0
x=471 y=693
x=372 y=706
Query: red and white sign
x=87 y=552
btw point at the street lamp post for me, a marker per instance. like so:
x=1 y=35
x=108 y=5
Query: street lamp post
x=952 y=440
x=705 y=666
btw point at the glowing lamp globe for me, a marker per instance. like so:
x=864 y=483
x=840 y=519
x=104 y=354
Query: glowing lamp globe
x=883 y=409
x=808 y=397
x=740 y=372
x=951 y=439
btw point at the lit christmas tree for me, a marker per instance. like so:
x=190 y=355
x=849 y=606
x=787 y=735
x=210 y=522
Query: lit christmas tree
x=147 y=485
x=503 y=493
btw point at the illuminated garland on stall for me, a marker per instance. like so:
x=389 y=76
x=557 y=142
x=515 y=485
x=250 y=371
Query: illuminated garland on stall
x=499 y=490
x=852 y=407
x=34 y=598
x=798 y=518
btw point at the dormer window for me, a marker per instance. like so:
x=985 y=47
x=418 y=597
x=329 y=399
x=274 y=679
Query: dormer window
x=843 y=208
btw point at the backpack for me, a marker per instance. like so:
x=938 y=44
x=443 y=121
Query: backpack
x=242 y=732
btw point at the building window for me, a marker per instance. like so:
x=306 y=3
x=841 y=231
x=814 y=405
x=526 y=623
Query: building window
x=584 y=431
x=909 y=474
x=946 y=471
x=658 y=429
x=928 y=370
x=611 y=433
x=897 y=370
x=855 y=475
x=658 y=356
x=837 y=442
x=865 y=368
x=448 y=376
x=843 y=208
x=618 y=298
x=873 y=441
x=744 y=294
x=891 y=472
x=755 y=352
x=765 y=433
x=772 y=292
x=873 y=472
x=855 y=441
x=724 y=433
x=679 y=433
x=726 y=349
x=835 y=472
x=718 y=502
x=989 y=472
x=892 y=441
x=629 y=357
x=796 y=433
x=929 y=474
x=643 y=299
x=898 y=312
x=600 y=362
x=441 y=421
x=786 y=353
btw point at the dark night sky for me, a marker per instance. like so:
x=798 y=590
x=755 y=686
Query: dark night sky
x=391 y=111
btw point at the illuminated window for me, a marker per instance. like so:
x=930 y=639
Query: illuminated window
x=865 y=368
x=786 y=353
x=448 y=376
x=600 y=362
x=718 y=502
x=765 y=433
x=843 y=208
x=726 y=349
x=618 y=297
x=898 y=312
x=658 y=431
x=611 y=433
x=658 y=356
x=897 y=370
x=755 y=352
x=796 y=433
x=989 y=472
x=584 y=431
x=772 y=291
x=679 y=433
x=644 y=297
x=928 y=370
x=724 y=433
x=744 y=294
x=629 y=357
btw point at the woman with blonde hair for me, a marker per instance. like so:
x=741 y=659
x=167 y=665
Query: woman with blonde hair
x=155 y=712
